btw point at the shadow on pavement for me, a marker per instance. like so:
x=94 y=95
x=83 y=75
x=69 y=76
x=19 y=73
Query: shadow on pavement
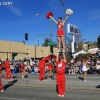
x=98 y=86
x=81 y=78
x=26 y=76
x=14 y=77
x=56 y=88
x=10 y=84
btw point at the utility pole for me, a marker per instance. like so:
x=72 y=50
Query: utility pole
x=51 y=29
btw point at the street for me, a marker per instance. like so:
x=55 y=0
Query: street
x=31 y=88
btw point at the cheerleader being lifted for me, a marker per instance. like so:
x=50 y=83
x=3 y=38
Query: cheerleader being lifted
x=60 y=28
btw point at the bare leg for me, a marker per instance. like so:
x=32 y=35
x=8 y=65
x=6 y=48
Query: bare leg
x=48 y=74
x=84 y=75
x=63 y=42
x=59 y=40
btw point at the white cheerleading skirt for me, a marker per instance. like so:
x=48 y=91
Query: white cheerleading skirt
x=84 y=69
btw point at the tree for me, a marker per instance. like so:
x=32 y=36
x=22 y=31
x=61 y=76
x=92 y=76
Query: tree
x=45 y=44
x=23 y=42
x=89 y=45
x=79 y=41
x=98 y=42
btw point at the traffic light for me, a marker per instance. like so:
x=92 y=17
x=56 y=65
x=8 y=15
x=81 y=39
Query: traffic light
x=26 y=36
x=51 y=49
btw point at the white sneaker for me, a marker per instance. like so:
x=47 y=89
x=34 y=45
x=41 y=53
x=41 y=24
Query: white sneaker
x=62 y=95
x=2 y=90
x=49 y=78
x=11 y=79
x=84 y=80
x=59 y=95
x=58 y=51
x=63 y=51
x=45 y=80
x=22 y=76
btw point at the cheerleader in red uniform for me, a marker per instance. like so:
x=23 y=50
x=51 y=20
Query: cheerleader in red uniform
x=23 y=70
x=50 y=68
x=1 y=87
x=60 y=28
x=60 y=75
x=8 y=72
x=42 y=64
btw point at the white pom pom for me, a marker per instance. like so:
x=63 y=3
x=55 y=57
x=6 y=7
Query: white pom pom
x=69 y=11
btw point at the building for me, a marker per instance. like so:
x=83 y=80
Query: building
x=19 y=50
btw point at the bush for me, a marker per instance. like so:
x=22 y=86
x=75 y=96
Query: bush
x=85 y=55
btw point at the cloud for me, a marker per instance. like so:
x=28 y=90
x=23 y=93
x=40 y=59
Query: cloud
x=15 y=10
x=54 y=4
x=94 y=14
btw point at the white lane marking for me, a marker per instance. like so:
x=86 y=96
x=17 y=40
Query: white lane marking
x=12 y=98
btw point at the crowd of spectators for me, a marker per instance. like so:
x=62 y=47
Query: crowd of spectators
x=75 y=65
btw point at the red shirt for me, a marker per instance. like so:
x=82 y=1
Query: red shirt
x=42 y=64
x=60 y=67
x=7 y=64
x=1 y=68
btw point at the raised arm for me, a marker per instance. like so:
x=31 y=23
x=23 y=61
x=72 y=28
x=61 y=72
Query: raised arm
x=57 y=58
x=64 y=57
x=53 y=19
x=65 y=19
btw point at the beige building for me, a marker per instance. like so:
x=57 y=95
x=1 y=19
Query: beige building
x=17 y=50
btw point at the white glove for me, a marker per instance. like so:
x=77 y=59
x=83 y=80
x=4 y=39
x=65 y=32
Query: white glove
x=69 y=11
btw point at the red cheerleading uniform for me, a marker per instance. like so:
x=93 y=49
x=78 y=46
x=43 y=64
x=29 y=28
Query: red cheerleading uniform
x=42 y=70
x=50 y=66
x=22 y=68
x=60 y=77
x=1 y=86
x=8 y=72
x=60 y=31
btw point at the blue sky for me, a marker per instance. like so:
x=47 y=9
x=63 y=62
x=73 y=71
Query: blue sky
x=20 y=17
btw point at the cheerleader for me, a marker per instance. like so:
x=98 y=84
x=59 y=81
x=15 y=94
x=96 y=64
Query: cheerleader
x=84 y=69
x=22 y=69
x=60 y=28
x=42 y=64
x=8 y=71
x=1 y=87
x=60 y=76
x=50 y=68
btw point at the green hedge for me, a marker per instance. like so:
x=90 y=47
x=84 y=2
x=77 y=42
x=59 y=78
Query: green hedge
x=85 y=55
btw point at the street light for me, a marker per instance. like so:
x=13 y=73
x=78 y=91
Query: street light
x=50 y=25
x=35 y=47
x=64 y=8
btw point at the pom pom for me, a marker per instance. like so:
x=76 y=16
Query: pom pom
x=49 y=14
x=69 y=11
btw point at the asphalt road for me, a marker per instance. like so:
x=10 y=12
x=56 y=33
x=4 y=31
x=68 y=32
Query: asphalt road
x=31 y=88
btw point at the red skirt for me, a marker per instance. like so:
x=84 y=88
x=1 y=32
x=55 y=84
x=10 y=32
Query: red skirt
x=22 y=68
x=60 y=33
x=50 y=67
